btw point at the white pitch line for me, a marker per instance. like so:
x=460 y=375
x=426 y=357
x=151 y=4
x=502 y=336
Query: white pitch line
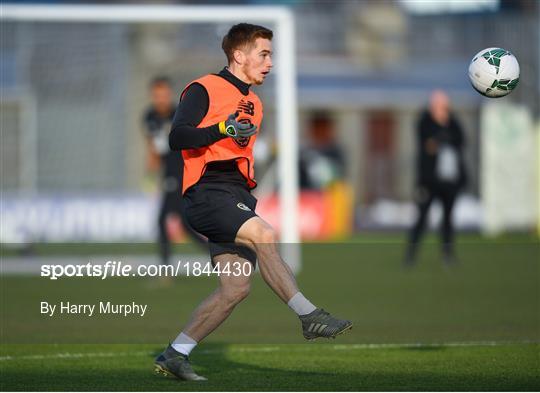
x=431 y=345
x=67 y=355
x=340 y=347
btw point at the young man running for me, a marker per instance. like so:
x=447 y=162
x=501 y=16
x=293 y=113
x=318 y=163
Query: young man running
x=215 y=126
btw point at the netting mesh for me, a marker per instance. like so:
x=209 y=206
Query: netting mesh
x=74 y=95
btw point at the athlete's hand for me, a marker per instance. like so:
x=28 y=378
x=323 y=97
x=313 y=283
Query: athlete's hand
x=235 y=129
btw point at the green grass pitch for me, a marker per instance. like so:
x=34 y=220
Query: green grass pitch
x=475 y=326
x=295 y=367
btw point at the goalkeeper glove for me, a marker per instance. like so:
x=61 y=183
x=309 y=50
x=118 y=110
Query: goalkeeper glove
x=235 y=129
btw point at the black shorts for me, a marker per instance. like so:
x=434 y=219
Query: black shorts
x=217 y=211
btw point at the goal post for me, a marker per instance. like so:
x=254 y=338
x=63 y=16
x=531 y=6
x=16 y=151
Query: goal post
x=284 y=70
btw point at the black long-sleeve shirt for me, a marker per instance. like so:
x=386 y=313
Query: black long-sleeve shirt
x=157 y=129
x=192 y=109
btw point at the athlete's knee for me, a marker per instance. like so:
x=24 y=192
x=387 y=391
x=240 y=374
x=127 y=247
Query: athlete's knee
x=264 y=234
x=234 y=294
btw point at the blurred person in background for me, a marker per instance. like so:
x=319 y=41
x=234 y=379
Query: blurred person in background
x=440 y=172
x=321 y=161
x=157 y=120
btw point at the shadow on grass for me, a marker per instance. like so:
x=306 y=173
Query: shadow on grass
x=226 y=374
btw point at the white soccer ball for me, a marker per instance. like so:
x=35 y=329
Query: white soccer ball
x=494 y=72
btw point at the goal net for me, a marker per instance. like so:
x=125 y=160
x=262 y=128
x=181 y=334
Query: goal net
x=74 y=89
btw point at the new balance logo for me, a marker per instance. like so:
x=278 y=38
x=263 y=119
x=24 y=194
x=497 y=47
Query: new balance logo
x=316 y=328
x=247 y=107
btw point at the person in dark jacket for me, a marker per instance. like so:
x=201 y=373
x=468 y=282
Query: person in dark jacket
x=440 y=172
x=157 y=121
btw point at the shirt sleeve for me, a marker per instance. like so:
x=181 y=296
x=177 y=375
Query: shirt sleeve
x=424 y=131
x=150 y=125
x=191 y=109
x=459 y=136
